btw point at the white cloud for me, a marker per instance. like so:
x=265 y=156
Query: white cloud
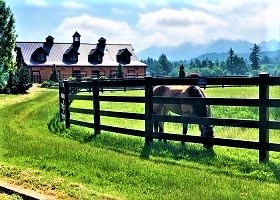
x=39 y=3
x=173 y=27
x=92 y=28
x=73 y=5
x=201 y=22
x=196 y=22
x=248 y=20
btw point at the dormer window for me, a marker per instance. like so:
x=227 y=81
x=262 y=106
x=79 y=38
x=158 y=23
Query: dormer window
x=96 y=55
x=98 y=58
x=73 y=58
x=123 y=56
x=40 y=55
x=71 y=55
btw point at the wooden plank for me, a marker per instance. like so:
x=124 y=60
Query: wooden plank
x=125 y=131
x=62 y=106
x=273 y=124
x=273 y=81
x=273 y=103
x=207 y=101
x=81 y=123
x=209 y=81
x=148 y=110
x=263 y=118
x=124 y=115
x=96 y=107
x=80 y=97
x=62 y=95
x=122 y=99
x=67 y=104
x=81 y=110
x=214 y=141
x=208 y=120
x=122 y=82
x=274 y=147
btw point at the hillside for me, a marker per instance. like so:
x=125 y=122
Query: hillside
x=212 y=50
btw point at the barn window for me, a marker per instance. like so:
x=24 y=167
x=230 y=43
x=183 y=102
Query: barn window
x=41 y=57
x=96 y=55
x=73 y=58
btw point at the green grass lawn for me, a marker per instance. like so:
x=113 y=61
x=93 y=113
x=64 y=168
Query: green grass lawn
x=37 y=152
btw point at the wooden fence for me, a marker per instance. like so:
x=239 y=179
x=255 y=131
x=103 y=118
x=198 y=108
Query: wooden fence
x=263 y=124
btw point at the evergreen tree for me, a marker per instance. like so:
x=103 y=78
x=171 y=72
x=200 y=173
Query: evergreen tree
x=166 y=65
x=3 y=78
x=24 y=80
x=158 y=69
x=197 y=63
x=266 y=60
x=217 y=63
x=7 y=37
x=204 y=63
x=192 y=65
x=54 y=76
x=119 y=71
x=230 y=61
x=182 y=72
x=19 y=82
x=255 y=57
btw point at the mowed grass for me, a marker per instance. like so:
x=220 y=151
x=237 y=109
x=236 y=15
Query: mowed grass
x=37 y=152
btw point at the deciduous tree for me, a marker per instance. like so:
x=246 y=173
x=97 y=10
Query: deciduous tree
x=7 y=37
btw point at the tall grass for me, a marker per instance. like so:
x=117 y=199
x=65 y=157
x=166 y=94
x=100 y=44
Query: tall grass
x=37 y=151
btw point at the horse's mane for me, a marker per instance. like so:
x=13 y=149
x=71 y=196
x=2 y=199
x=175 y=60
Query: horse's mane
x=200 y=110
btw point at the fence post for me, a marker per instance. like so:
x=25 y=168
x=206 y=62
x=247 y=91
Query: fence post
x=60 y=89
x=263 y=117
x=96 y=107
x=66 y=103
x=148 y=109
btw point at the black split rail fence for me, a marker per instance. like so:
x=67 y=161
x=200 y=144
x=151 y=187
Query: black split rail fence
x=263 y=102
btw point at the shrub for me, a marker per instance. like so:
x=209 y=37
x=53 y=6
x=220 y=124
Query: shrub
x=72 y=79
x=86 y=78
x=54 y=76
x=47 y=84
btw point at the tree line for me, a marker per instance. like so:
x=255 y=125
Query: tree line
x=233 y=66
x=14 y=79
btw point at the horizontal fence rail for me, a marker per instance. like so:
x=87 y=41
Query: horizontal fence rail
x=68 y=93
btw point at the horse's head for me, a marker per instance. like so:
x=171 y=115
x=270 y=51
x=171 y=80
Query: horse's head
x=207 y=131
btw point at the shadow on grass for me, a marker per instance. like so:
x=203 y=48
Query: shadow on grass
x=57 y=127
x=170 y=152
x=275 y=169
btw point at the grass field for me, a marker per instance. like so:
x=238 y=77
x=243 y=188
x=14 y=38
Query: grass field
x=37 y=152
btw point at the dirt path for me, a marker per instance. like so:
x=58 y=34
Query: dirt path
x=12 y=99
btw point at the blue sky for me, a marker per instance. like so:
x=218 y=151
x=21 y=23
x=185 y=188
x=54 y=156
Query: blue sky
x=144 y=23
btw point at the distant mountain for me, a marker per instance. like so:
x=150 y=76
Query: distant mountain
x=223 y=46
x=272 y=45
x=215 y=49
x=182 y=52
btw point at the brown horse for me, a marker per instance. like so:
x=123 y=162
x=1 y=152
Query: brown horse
x=183 y=109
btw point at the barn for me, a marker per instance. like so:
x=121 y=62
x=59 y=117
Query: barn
x=78 y=59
